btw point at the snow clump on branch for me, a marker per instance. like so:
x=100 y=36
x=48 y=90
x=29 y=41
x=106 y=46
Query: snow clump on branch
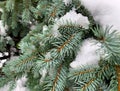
x=73 y=18
x=89 y=54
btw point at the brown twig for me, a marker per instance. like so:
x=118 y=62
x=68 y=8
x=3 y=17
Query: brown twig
x=118 y=75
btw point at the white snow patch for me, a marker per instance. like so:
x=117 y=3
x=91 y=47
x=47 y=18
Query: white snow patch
x=1 y=10
x=45 y=29
x=67 y=2
x=5 y=88
x=19 y=87
x=2 y=28
x=43 y=73
x=105 y=12
x=0 y=54
x=1 y=65
x=55 y=31
x=88 y=54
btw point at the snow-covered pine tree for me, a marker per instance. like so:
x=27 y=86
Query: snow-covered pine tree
x=65 y=51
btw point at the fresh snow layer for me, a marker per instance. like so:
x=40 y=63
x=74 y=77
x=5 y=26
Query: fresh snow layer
x=88 y=54
x=105 y=12
x=72 y=17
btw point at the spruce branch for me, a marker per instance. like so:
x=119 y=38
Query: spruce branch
x=10 y=5
x=84 y=88
x=65 y=43
x=69 y=29
x=56 y=78
x=57 y=81
x=25 y=61
x=109 y=39
x=83 y=72
x=82 y=77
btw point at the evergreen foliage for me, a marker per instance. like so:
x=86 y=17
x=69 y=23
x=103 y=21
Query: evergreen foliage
x=41 y=50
